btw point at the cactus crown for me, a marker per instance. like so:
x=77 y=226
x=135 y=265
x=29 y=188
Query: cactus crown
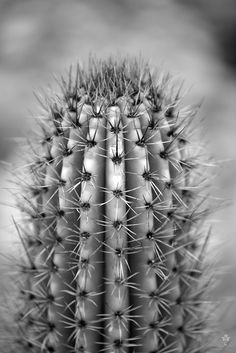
x=113 y=227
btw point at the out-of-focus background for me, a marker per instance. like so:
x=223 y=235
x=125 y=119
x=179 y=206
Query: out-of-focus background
x=193 y=39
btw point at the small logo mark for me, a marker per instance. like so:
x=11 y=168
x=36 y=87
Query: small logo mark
x=226 y=339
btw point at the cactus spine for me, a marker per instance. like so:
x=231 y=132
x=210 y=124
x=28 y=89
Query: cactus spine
x=113 y=232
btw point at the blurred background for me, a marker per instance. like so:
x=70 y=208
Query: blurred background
x=194 y=40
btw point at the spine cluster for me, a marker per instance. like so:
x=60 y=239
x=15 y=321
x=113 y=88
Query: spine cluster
x=113 y=206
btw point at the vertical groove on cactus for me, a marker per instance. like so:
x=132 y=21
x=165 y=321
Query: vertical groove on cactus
x=113 y=229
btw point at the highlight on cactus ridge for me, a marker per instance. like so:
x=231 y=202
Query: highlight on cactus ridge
x=113 y=233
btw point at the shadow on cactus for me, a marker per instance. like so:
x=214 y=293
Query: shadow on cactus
x=113 y=230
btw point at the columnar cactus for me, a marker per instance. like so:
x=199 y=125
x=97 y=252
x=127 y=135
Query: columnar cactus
x=114 y=207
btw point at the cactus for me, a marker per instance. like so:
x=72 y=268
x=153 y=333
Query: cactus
x=113 y=225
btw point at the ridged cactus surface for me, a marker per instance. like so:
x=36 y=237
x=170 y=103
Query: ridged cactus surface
x=113 y=210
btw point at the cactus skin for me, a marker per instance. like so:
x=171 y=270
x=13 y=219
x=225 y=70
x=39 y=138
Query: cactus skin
x=113 y=230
